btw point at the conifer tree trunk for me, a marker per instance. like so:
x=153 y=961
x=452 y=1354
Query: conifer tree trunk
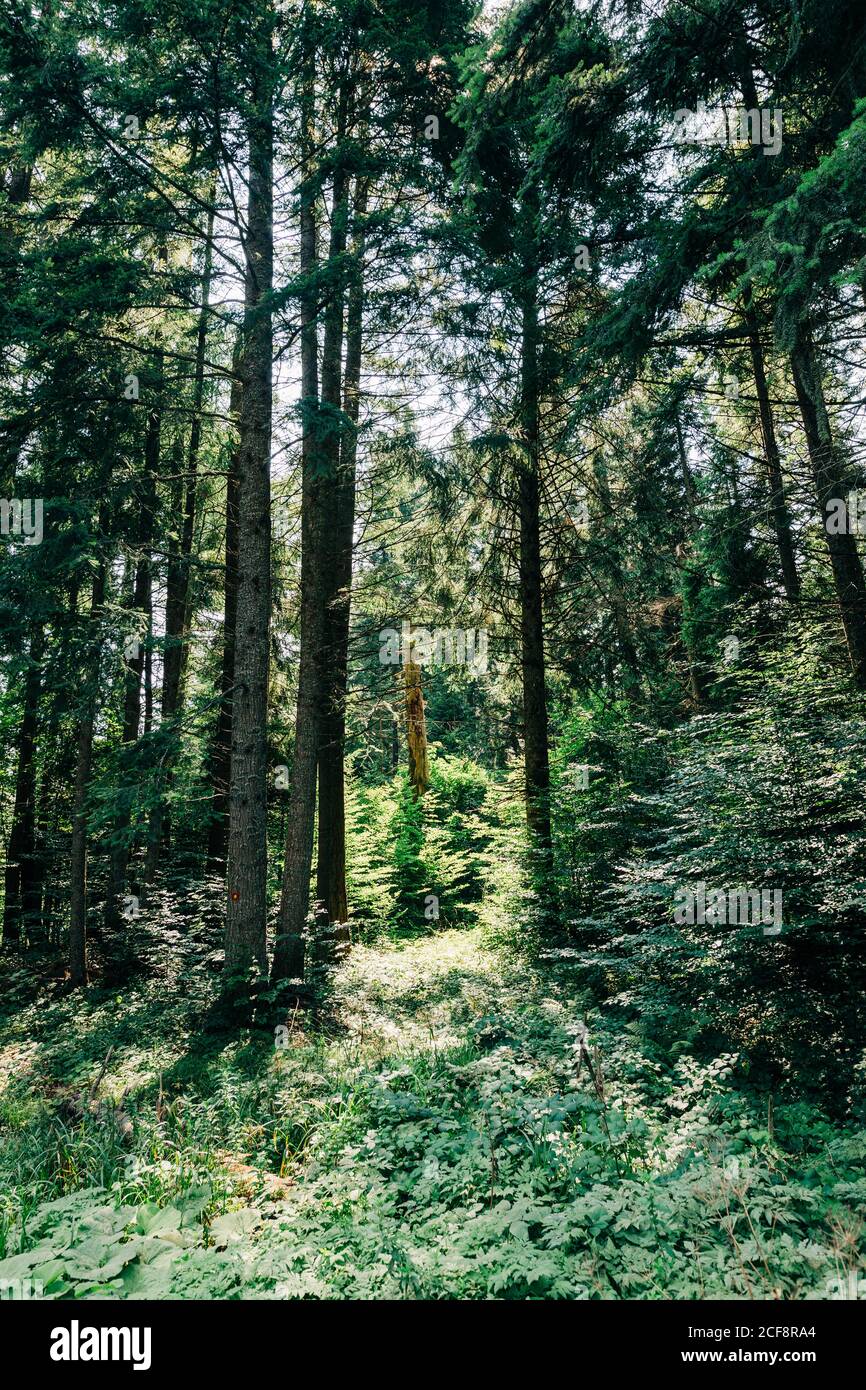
x=177 y=614
x=416 y=729
x=222 y=745
x=246 y=911
x=617 y=591
x=83 y=764
x=21 y=897
x=827 y=474
x=691 y=579
x=781 y=519
x=288 y=960
x=331 y=866
x=779 y=510
x=134 y=668
x=535 y=724
x=147 y=671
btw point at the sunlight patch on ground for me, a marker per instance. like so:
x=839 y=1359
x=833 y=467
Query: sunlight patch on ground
x=418 y=996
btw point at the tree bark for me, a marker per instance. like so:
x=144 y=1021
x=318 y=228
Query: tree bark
x=416 y=729
x=535 y=724
x=691 y=579
x=781 y=519
x=630 y=673
x=246 y=912
x=177 y=608
x=83 y=765
x=331 y=866
x=142 y=602
x=779 y=510
x=288 y=960
x=827 y=474
x=221 y=752
x=21 y=896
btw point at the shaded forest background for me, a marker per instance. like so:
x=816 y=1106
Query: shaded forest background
x=433 y=466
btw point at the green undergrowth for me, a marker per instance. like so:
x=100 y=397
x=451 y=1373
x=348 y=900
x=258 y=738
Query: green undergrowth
x=456 y=1127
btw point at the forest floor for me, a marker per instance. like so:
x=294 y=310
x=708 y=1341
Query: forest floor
x=443 y=1131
